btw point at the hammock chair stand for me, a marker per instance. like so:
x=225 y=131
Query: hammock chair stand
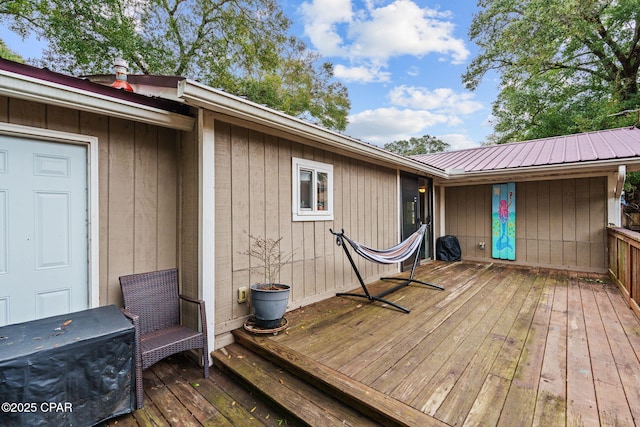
x=405 y=281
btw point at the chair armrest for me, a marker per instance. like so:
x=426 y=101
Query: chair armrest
x=203 y=312
x=193 y=300
x=133 y=317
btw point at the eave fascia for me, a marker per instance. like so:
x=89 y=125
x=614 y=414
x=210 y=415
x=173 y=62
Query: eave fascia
x=565 y=170
x=31 y=89
x=218 y=101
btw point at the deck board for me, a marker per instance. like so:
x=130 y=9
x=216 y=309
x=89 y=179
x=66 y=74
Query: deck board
x=469 y=333
x=166 y=401
x=462 y=397
x=582 y=408
x=432 y=329
x=552 y=391
x=519 y=406
x=190 y=392
x=394 y=335
x=612 y=403
x=364 y=322
x=622 y=351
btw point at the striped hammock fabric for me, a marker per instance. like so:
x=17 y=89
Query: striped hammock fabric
x=398 y=253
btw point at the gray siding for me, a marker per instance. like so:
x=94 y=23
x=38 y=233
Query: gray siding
x=559 y=223
x=253 y=196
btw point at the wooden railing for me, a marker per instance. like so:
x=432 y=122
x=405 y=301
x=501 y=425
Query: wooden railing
x=624 y=263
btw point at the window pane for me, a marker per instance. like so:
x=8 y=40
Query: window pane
x=306 y=189
x=323 y=201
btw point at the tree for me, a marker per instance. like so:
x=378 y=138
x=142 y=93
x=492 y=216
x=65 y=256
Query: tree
x=7 y=53
x=424 y=145
x=565 y=65
x=241 y=46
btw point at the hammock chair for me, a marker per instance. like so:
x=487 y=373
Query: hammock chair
x=398 y=253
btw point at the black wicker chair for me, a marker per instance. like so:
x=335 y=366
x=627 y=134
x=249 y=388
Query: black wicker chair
x=152 y=302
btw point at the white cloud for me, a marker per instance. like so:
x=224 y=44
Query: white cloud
x=361 y=74
x=416 y=111
x=413 y=71
x=321 y=21
x=458 y=141
x=489 y=121
x=379 y=33
x=384 y=125
x=441 y=99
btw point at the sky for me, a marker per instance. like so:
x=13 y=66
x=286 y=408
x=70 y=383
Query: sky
x=401 y=60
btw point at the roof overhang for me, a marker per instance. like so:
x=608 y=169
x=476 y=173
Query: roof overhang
x=543 y=172
x=199 y=95
x=29 y=88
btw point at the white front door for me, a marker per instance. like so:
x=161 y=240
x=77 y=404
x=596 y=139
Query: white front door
x=43 y=229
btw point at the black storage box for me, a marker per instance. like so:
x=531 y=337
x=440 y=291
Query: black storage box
x=448 y=248
x=75 y=369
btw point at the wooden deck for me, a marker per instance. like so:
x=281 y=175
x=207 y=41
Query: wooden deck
x=502 y=345
x=177 y=395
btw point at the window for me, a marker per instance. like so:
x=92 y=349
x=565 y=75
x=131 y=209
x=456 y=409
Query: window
x=312 y=190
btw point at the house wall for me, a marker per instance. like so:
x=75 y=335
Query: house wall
x=559 y=223
x=138 y=188
x=253 y=192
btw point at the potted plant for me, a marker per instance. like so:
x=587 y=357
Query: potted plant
x=269 y=299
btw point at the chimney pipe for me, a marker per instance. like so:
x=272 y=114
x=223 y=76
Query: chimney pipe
x=121 y=67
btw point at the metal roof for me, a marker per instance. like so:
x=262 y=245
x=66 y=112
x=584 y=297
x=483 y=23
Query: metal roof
x=580 y=148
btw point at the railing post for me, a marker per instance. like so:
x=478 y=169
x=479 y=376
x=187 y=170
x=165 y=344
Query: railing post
x=624 y=262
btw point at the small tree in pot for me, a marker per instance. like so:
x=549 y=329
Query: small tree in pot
x=269 y=299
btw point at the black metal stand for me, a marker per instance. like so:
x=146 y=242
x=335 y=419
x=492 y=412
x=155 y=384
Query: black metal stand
x=410 y=279
x=378 y=297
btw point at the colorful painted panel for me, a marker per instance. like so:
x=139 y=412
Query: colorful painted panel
x=503 y=215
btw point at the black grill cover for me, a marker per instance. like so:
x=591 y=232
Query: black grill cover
x=71 y=370
x=448 y=248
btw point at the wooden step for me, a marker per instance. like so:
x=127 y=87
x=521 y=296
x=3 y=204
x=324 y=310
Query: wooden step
x=305 y=404
x=365 y=400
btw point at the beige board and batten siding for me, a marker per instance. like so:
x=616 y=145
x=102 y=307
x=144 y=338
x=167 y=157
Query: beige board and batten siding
x=559 y=223
x=253 y=196
x=138 y=188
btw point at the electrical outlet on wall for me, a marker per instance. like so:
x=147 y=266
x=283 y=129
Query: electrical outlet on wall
x=243 y=294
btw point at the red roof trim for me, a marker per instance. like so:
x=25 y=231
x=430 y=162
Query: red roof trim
x=83 y=84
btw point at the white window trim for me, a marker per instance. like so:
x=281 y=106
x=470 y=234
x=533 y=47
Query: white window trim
x=312 y=214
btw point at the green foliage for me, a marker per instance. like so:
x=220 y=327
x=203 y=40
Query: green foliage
x=300 y=89
x=565 y=65
x=7 y=53
x=631 y=184
x=242 y=46
x=424 y=145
